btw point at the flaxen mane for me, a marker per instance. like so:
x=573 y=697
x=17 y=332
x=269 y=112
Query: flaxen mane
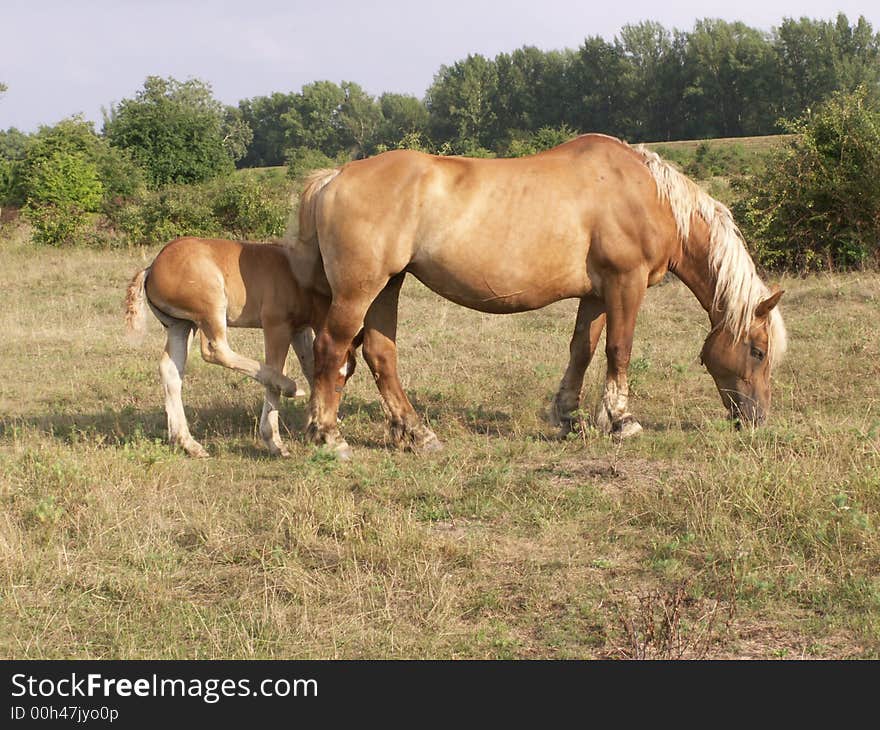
x=738 y=288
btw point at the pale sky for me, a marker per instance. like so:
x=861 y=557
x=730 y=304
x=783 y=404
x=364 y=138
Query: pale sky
x=62 y=57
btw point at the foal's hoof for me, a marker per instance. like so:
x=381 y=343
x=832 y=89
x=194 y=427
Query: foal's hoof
x=294 y=391
x=626 y=427
x=195 y=450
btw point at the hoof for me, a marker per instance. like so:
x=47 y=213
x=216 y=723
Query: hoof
x=195 y=450
x=339 y=450
x=603 y=420
x=282 y=452
x=293 y=391
x=553 y=415
x=626 y=427
x=429 y=446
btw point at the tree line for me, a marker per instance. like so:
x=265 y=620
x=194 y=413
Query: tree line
x=649 y=83
x=161 y=165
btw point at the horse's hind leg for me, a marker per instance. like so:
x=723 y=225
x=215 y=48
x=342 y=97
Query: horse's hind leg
x=380 y=352
x=277 y=341
x=171 y=368
x=587 y=330
x=622 y=301
x=216 y=350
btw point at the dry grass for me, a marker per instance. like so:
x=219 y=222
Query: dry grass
x=693 y=540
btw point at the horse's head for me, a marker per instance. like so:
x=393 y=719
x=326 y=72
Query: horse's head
x=741 y=367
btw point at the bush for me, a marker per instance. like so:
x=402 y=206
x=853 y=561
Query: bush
x=119 y=175
x=302 y=160
x=62 y=190
x=249 y=208
x=162 y=215
x=713 y=160
x=240 y=206
x=817 y=203
x=544 y=139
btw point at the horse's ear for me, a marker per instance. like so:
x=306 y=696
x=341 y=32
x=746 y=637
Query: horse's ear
x=765 y=307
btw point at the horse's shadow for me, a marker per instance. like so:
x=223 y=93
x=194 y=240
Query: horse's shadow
x=127 y=425
x=117 y=427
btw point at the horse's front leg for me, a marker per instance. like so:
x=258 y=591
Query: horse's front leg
x=623 y=297
x=380 y=351
x=333 y=351
x=587 y=330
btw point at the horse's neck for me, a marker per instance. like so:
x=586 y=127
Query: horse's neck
x=695 y=272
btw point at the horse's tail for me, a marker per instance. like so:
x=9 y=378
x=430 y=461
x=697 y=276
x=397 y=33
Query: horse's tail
x=308 y=200
x=136 y=306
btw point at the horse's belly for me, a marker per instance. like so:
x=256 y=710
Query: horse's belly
x=496 y=291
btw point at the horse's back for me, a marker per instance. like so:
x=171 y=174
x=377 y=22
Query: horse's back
x=496 y=235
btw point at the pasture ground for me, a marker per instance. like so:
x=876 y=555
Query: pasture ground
x=691 y=541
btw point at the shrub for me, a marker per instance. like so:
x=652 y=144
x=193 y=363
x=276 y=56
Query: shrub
x=302 y=160
x=168 y=213
x=543 y=139
x=249 y=208
x=816 y=205
x=240 y=206
x=62 y=189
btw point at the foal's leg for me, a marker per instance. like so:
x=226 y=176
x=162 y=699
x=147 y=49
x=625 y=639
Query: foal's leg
x=216 y=350
x=171 y=366
x=587 y=330
x=380 y=352
x=277 y=341
x=303 y=345
x=622 y=301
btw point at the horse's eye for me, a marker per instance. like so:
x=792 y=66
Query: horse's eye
x=757 y=354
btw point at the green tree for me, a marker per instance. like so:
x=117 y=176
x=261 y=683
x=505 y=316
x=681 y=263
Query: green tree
x=265 y=116
x=817 y=57
x=460 y=104
x=403 y=116
x=733 y=84
x=360 y=120
x=313 y=122
x=600 y=94
x=13 y=145
x=176 y=131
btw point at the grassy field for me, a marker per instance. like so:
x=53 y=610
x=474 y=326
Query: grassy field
x=691 y=541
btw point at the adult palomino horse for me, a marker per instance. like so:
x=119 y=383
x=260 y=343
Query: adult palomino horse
x=593 y=219
x=209 y=285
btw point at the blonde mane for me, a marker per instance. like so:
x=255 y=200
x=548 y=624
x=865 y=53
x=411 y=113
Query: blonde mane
x=738 y=288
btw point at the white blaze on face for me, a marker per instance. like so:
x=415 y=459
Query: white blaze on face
x=343 y=371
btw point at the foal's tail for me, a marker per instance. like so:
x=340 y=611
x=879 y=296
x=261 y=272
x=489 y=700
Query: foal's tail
x=136 y=306
x=308 y=199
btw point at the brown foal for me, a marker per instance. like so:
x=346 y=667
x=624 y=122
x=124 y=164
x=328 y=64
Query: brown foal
x=209 y=285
